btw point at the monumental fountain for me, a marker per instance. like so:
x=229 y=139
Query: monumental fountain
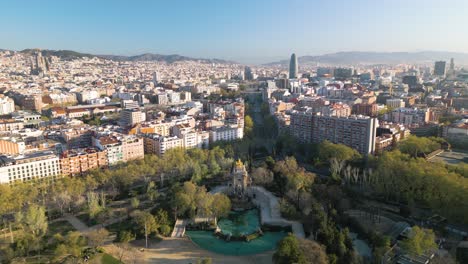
x=254 y=224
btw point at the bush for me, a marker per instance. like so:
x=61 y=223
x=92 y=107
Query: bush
x=125 y=236
x=165 y=230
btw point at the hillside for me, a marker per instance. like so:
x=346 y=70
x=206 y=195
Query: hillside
x=355 y=57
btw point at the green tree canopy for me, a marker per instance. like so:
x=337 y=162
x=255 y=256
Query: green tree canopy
x=328 y=150
x=419 y=241
x=289 y=251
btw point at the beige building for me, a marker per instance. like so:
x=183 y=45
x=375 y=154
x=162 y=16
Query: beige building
x=132 y=148
x=10 y=125
x=12 y=146
x=131 y=117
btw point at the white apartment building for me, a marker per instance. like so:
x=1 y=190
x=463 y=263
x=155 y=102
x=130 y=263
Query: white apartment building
x=113 y=146
x=226 y=133
x=158 y=145
x=34 y=166
x=7 y=105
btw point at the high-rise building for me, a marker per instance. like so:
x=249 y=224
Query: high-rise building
x=343 y=73
x=155 y=78
x=293 y=67
x=248 y=74
x=452 y=64
x=439 y=68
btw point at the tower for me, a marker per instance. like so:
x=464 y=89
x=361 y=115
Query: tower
x=155 y=78
x=439 y=68
x=293 y=67
x=248 y=74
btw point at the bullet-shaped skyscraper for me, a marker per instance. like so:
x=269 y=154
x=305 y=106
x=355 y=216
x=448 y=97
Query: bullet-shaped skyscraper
x=293 y=68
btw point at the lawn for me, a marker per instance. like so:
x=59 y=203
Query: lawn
x=108 y=259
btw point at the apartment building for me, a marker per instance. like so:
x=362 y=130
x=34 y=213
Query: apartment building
x=357 y=132
x=158 y=145
x=12 y=146
x=77 y=137
x=112 y=145
x=395 y=103
x=7 y=105
x=226 y=133
x=78 y=161
x=300 y=125
x=365 y=109
x=28 y=167
x=132 y=148
x=131 y=117
x=10 y=125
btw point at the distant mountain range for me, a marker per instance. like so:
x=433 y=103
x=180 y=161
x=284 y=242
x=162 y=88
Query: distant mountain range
x=358 y=57
x=70 y=54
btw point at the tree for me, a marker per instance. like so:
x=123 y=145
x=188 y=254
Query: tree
x=248 y=125
x=328 y=150
x=289 y=251
x=70 y=245
x=134 y=202
x=220 y=205
x=417 y=146
x=313 y=252
x=205 y=261
x=262 y=176
x=33 y=221
x=419 y=241
x=146 y=223
x=94 y=207
x=151 y=191
x=97 y=237
x=161 y=217
x=125 y=236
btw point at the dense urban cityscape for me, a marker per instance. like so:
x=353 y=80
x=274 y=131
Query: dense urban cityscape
x=347 y=157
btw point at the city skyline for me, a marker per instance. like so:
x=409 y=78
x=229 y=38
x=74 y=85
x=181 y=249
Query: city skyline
x=243 y=31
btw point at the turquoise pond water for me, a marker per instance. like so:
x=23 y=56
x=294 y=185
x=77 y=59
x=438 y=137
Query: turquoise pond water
x=240 y=223
x=237 y=224
x=206 y=240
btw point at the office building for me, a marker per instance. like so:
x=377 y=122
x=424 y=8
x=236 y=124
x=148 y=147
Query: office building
x=439 y=68
x=248 y=74
x=293 y=67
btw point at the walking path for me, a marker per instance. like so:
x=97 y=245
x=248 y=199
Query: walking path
x=179 y=228
x=76 y=223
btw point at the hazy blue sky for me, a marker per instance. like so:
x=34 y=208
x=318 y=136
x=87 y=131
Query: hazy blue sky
x=243 y=30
